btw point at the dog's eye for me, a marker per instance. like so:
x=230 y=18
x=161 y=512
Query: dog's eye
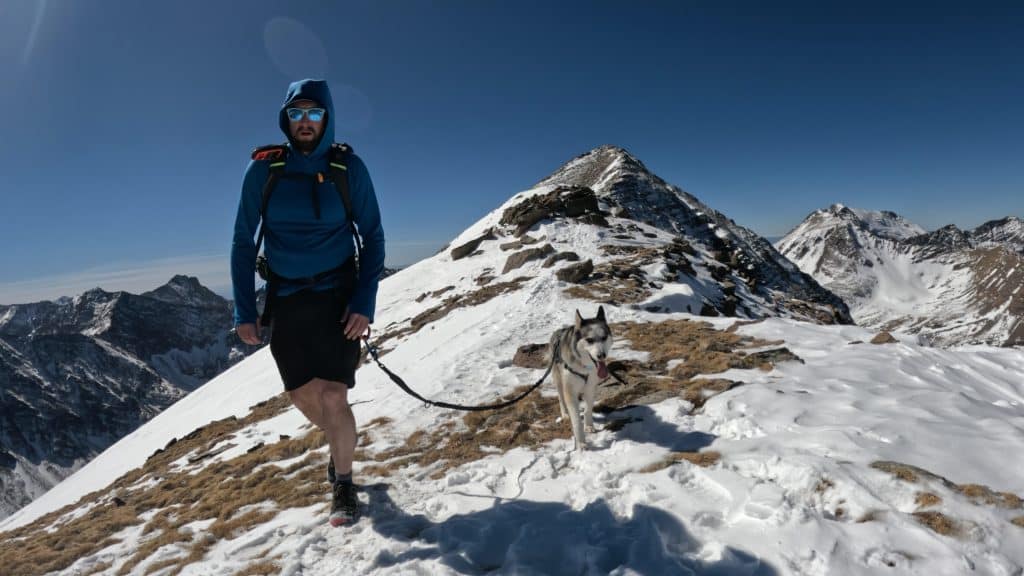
x=590 y=340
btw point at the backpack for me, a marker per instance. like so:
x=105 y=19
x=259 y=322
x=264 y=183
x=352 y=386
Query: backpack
x=277 y=155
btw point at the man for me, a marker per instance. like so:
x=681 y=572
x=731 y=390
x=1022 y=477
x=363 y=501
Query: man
x=318 y=307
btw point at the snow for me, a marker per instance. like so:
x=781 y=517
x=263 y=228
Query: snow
x=888 y=224
x=761 y=510
x=945 y=296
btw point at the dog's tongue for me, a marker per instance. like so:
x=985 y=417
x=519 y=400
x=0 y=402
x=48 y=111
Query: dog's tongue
x=602 y=370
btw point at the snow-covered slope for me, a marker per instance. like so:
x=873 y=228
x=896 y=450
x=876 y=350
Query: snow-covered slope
x=795 y=463
x=950 y=286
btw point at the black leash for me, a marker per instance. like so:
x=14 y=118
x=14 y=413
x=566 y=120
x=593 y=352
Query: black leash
x=401 y=384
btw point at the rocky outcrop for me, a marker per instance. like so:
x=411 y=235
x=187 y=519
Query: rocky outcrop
x=468 y=248
x=563 y=201
x=576 y=273
x=523 y=256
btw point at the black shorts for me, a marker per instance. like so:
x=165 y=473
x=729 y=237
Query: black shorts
x=307 y=338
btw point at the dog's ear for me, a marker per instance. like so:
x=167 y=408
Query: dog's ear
x=579 y=319
x=600 y=313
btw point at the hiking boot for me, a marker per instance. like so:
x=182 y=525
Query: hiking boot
x=331 y=477
x=344 y=505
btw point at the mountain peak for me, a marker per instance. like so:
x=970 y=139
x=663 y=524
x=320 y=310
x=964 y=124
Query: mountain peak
x=882 y=223
x=184 y=289
x=595 y=168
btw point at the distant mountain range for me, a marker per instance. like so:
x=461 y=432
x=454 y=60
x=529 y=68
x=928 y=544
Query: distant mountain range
x=950 y=286
x=79 y=373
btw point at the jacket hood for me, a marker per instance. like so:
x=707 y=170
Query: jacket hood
x=317 y=91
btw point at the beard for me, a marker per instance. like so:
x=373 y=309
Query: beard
x=306 y=147
x=306 y=138
x=306 y=144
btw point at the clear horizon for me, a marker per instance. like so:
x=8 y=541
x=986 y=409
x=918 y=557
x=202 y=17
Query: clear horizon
x=125 y=146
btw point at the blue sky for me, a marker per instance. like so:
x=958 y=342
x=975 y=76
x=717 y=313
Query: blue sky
x=129 y=123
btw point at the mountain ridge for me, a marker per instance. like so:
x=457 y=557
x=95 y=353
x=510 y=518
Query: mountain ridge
x=949 y=286
x=78 y=373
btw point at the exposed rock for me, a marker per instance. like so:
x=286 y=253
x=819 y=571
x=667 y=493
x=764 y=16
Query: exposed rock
x=883 y=337
x=530 y=356
x=434 y=294
x=595 y=219
x=774 y=356
x=564 y=201
x=521 y=242
x=576 y=273
x=470 y=247
x=522 y=257
x=554 y=258
x=707 y=309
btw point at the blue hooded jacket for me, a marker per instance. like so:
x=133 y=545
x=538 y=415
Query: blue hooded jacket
x=298 y=243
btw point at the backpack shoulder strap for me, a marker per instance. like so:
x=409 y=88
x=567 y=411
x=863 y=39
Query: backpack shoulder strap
x=338 y=162
x=276 y=155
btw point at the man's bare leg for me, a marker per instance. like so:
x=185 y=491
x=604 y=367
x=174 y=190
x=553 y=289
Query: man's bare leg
x=339 y=423
x=307 y=400
x=325 y=404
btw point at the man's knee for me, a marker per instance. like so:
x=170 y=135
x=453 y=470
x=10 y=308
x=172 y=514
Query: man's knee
x=334 y=395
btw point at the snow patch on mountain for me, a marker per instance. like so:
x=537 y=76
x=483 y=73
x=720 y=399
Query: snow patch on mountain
x=949 y=286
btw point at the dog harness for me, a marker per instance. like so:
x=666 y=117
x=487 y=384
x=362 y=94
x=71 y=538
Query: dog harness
x=569 y=368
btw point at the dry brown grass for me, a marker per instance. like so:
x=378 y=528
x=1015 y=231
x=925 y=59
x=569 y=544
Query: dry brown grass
x=703 y=459
x=215 y=492
x=531 y=422
x=435 y=313
x=434 y=294
x=703 y=350
x=98 y=568
x=904 y=472
x=260 y=568
x=222 y=488
x=979 y=494
x=638 y=254
x=169 y=535
x=938 y=523
x=1018 y=521
x=926 y=499
x=614 y=282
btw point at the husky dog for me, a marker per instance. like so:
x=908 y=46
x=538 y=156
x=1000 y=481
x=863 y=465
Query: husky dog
x=579 y=355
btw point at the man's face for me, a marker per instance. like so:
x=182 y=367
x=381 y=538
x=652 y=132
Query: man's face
x=305 y=133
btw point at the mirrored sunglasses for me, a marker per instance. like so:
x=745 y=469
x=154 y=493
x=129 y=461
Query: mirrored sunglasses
x=314 y=114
